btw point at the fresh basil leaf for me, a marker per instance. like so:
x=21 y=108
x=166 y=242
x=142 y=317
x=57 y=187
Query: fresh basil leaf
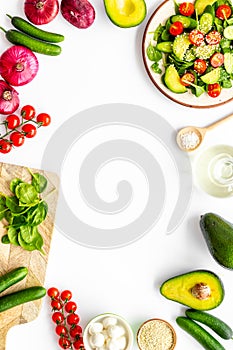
x=5 y=239
x=14 y=183
x=25 y=245
x=39 y=182
x=37 y=214
x=26 y=193
x=2 y=200
x=12 y=203
x=13 y=235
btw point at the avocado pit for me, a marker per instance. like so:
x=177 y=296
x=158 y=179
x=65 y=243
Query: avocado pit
x=201 y=291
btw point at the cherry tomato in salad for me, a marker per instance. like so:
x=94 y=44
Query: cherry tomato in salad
x=5 y=146
x=176 y=28
x=187 y=78
x=214 y=90
x=72 y=319
x=17 y=138
x=12 y=121
x=223 y=12
x=53 y=292
x=66 y=295
x=28 y=112
x=71 y=306
x=58 y=317
x=200 y=66
x=78 y=344
x=44 y=119
x=217 y=59
x=64 y=343
x=196 y=37
x=76 y=331
x=213 y=38
x=29 y=130
x=186 y=9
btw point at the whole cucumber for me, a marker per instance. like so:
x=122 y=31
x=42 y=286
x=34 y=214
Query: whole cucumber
x=217 y=325
x=200 y=334
x=19 y=38
x=20 y=297
x=28 y=28
x=12 y=277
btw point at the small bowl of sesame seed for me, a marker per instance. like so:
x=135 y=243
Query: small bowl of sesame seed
x=156 y=334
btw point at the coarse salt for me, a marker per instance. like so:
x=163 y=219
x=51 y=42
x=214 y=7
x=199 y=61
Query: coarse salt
x=189 y=140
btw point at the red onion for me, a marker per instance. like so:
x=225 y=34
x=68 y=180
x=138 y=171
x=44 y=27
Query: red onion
x=80 y=13
x=18 y=65
x=41 y=11
x=9 y=100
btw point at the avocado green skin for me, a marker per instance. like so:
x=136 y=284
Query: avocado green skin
x=218 y=234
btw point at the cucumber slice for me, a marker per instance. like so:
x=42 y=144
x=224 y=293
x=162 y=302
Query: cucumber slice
x=165 y=46
x=180 y=45
x=206 y=22
x=228 y=32
x=228 y=62
x=212 y=77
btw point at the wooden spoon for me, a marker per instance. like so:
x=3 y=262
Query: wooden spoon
x=197 y=133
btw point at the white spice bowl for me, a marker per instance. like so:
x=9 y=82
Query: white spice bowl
x=97 y=320
x=155 y=340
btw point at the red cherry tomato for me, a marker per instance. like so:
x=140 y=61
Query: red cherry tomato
x=44 y=119
x=56 y=304
x=12 y=121
x=187 y=78
x=29 y=130
x=200 y=65
x=5 y=146
x=61 y=330
x=17 y=138
x=58 y=317
x=28 y=112
x=71 y=306
x=72 y=319
x=78 y=344
x=64 y=343
x=76 y=331
x=196 y=37
x=176 y=28
x=223 y=12
x=186 y=9
x=214 y=90
x=66 y=295
x=53 y=292
x=217 y=59
x=213 y=38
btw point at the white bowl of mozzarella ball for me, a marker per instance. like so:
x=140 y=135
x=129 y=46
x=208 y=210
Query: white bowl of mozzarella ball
x=108 y=332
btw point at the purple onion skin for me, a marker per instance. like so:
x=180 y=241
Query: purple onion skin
x=80 y=13
x=11 y=105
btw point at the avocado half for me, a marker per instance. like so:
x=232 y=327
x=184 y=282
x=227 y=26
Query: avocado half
x=199 y=289
x=126 y=13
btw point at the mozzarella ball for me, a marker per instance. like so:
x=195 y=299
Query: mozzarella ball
x=95 y=327
x=97 y=340
x=105 y=334
x=115 y=331
x=112 y=344
x=121 y=342
x=109 y=321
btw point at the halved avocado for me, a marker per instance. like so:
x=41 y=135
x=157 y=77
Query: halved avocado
x=126 y=13
x=198 y=289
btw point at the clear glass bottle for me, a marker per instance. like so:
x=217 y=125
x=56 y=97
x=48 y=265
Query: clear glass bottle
x=214 y=170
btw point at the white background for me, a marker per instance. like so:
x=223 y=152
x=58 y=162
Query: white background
x=99 y=65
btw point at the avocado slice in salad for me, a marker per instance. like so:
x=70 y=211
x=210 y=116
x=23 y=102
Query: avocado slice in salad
x=200 y=5
x=172 y=80
x=212 y=77
x=126 y=13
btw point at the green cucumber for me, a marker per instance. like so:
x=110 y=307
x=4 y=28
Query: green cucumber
x=28 y=28
x=200 y=334
x=19 y=38
x=187 y=22
x=228 y=33
x=206 y=22
x=20 y=297
x=217 y=325
x=12 y=277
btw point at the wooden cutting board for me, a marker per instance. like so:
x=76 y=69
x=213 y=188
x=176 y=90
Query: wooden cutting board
x=14 y=256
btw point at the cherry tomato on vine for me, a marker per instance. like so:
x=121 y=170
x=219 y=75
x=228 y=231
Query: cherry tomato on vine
x=217 y=59
x=58 y=317
x=56 y=305
x=186 y=9
x=214 y=90
x=29 y=130
x=44 y=119
x=176 y=28
x=187 y=78
x=12 y=121
x=72 y=319
x=17 y=138
x=76 y=331
x=78 y=344
x=28 y=112
x=5 y=146
x=53 y=292
x=71 y=306
x=200 y=65
x=64 y=343
x=213 y=38
x=223 y=12
x=66 y=295
x=196 y=37
x=61 y=330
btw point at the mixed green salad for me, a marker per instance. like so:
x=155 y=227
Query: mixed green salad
x=193 y=50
